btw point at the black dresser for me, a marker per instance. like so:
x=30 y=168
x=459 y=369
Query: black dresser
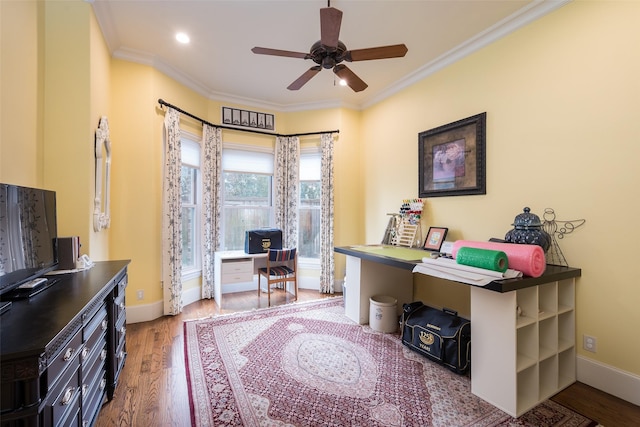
x=63 y=350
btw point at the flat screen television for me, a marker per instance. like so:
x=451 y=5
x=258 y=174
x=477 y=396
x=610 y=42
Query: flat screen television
x=28 y=234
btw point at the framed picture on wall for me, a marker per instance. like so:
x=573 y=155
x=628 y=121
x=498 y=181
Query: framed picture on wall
x=248 y=119
x=435 y=238
x=452 y=158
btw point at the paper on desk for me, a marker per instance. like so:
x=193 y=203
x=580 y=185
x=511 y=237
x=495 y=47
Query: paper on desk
x=449 y=269
x=75 y=270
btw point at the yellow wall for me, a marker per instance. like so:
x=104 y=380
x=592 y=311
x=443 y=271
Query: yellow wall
x=49 y=118
x=137 y=126
x=563 y=131
x=67 y=132
x=21 y=94
x=100 y=105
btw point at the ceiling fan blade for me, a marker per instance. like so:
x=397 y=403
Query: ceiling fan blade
x=278 y=52
x=303 y=79
x=353 y=81
x=330 y=20
x=380 y=52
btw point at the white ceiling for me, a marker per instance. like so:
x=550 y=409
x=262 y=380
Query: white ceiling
x=219 y=64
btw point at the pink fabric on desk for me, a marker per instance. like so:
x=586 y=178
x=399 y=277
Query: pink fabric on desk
x=529 y=259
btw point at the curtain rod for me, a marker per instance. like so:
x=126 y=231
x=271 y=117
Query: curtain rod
x=163 y=102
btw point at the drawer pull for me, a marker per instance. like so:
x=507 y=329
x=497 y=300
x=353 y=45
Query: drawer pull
x=123 y=330
x=85 y=353
x=84 y=389
x=103 y=355
x=68 y=355
x=104 y=325
x=103 y=384
x=121 y=305
x=121 y=355
x=68 y=395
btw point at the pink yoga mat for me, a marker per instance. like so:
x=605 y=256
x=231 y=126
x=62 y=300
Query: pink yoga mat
x=529 y=259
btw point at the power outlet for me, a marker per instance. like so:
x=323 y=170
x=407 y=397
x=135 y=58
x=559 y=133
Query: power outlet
x=140 y=294
x=589 y=343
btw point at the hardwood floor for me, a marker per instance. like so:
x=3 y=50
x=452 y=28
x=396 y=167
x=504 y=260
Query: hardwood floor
x=600 y=406
x=152 y=389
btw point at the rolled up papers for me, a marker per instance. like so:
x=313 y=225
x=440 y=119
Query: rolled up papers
x=488 y=259
x=529 y=259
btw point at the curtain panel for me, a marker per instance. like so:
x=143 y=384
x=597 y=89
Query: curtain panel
x=286 y=188
x=172 y=215
x=327 y=260
x=211 y=199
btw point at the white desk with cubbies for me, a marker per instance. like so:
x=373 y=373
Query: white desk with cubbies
x=523 y=346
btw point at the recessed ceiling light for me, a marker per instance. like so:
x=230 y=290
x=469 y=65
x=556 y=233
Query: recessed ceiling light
x=182 y=38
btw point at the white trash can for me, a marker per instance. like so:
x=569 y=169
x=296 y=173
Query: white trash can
x=382 y=313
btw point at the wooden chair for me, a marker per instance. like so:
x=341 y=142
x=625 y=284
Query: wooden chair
x=281 y=267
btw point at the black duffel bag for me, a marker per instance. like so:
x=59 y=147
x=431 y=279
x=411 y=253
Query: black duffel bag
x=440 y=335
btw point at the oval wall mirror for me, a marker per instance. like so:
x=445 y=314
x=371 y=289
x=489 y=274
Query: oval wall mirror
x=101 y=218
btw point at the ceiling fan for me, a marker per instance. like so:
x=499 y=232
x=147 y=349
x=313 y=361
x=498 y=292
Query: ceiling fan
x=329 y=52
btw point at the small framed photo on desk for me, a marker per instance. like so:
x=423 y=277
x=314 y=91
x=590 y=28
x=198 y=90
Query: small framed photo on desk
x=435 y=238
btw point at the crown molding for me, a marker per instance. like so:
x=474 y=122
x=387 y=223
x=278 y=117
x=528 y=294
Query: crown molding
x=501 y=29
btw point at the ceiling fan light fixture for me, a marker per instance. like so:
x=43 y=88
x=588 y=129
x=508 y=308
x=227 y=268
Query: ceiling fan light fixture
x=329 y=53
x=182 y=38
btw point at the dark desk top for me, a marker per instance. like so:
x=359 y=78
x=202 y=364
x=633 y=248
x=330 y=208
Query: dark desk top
x=407 y=258
x=30 y=325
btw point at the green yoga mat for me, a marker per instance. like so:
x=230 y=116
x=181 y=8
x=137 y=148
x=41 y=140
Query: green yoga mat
x=483 y=258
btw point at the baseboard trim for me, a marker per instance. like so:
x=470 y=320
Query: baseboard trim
x=609 y=379
x=155 y=310
x=145 y=312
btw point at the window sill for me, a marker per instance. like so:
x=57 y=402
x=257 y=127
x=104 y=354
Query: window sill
x=309 y=263
x=191 y=274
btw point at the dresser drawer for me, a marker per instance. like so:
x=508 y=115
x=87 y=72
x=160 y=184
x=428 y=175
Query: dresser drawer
x=121 y=356
x=95 y=361
x=66 y=359
x=97 y=325
x=64 y=399
x=122 y=284
x=94 y=384
x=237 y=266
x=119 y=306
x=121 y=331
x=236 y=271
x=92 y=400
x=236 y=278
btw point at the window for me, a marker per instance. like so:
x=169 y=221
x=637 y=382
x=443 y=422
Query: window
x=247 y=188
x=309 y=207
x=190 y=196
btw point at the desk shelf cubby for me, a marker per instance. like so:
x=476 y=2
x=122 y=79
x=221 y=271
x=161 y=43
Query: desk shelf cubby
x=540 y=360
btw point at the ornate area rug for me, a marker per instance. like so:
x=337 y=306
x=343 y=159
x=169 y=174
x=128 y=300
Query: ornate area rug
x=307 y=364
